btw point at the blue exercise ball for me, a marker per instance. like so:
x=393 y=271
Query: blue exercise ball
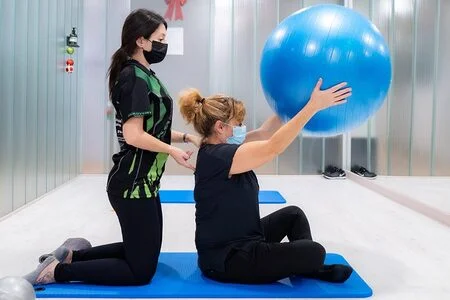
x=336 y=44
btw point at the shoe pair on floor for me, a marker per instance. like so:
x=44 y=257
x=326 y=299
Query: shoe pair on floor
x=332 y=172
x=44 y=272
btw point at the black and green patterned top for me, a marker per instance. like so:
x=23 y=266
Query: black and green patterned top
x=138 y=92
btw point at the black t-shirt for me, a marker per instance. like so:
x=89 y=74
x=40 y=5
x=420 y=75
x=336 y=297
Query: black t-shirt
x=138 y=92
x=227 y=209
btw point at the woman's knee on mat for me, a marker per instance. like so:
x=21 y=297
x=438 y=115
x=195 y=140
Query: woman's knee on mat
x=144 y=273
x=316 y=255
x=299 y=212
x=144 y=278
x=310 y=256
x=294 y=211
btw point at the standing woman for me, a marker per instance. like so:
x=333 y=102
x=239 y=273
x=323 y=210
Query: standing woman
x=144 y=130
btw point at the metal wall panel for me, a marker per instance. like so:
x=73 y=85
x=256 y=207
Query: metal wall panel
x=7 y=8
x=53 y=49
x=19 y=105
x=33 y=117
x=422 y=98
x=382 y=18
x=43 y=66
x=401 y=94
x=441 y=107
x=32 y=102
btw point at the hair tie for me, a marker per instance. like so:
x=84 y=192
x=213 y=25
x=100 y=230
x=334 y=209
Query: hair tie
x=202 y=100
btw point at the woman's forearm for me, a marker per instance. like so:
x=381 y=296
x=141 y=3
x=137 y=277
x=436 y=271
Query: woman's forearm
x=179 y=137
x=145 y=141
x=265 y=131
x=176 y=137
x=270 y=126
x=284 y=136
x=135 y=136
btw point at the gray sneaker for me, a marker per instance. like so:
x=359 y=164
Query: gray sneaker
x=43 y=273
x=72 y=244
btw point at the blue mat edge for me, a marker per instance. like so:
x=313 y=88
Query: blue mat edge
x=368 y=292
x=261 y=194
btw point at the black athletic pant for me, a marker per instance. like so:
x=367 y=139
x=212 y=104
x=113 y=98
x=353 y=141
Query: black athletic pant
x=270 y=261
x=131 y=262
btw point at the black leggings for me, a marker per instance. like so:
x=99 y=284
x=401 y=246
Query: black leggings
x=271 y=260
x=132 y=262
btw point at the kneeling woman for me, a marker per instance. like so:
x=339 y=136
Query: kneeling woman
x=233 y=243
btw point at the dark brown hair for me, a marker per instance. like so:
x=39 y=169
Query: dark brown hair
x=140 y=22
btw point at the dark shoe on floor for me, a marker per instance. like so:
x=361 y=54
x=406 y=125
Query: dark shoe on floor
x=363 y=172
x=332 y=172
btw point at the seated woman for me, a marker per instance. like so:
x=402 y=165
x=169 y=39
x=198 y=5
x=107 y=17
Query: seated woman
x=233 y=243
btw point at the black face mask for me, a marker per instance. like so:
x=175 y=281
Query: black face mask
x=157 y=54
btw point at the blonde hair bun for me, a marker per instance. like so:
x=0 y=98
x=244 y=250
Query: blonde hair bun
x=190 y=102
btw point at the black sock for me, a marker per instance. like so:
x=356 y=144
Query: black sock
x=332 y=273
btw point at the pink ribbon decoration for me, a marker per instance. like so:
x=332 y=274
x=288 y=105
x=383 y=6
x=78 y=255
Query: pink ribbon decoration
x=174 y=5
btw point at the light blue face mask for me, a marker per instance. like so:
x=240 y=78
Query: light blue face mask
x=239 y=134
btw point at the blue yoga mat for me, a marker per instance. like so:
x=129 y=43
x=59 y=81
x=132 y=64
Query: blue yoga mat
x=187 y=196
x=177 y=276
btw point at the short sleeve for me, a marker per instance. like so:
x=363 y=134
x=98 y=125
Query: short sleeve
x=214 y=161
x=132 y=97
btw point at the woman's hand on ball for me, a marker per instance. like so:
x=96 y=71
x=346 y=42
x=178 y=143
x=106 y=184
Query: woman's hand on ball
x=336 y=95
